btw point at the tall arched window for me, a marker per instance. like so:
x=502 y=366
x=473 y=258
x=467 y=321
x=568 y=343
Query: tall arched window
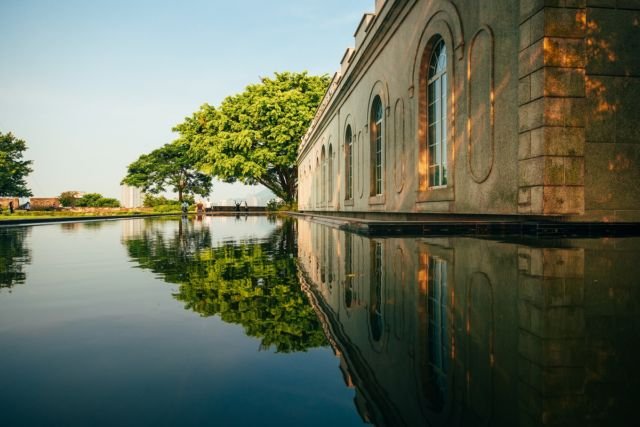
x=376 y=146
x=323 y=182
x=330 y=173
x=316 y=178
x=437 y=115
x=348 y=162
x=310 y=185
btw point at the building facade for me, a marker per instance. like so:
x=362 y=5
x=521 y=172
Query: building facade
x=132 y=197
x=506 y=107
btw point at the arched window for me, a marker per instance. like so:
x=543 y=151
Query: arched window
x=376 y=146
x=316 y=179
x=323 y=178
x=310 y=185
x=348 y=162
x=437 y=115
x=330 y=173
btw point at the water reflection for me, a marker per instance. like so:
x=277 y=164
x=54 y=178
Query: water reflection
x=14 y=255
x=251 y=282
x=444 y=331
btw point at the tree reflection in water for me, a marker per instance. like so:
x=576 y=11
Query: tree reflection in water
x=250 y=282
x=14 y=255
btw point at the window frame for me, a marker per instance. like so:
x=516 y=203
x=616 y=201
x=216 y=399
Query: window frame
x=348 y=160
x=427 y=194
x=437 y=117
x=376 y=129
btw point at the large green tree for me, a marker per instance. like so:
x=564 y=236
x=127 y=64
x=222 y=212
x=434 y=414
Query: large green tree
x=13 y=169
x=253 y=137
x=172 y=167
x=68 y=198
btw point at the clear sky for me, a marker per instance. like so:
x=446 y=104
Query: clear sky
x=91 y=85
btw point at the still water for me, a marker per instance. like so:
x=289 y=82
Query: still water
x=256 y=321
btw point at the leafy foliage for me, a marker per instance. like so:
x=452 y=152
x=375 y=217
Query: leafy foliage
x=151 y=201
x=252 y=283
x=253 y=137
x=68 y=198
x=168 y=167
x=161 y=203
x=95 y=200
x=13 y=169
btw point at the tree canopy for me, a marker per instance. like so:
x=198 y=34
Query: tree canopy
x=253 y=137
x=68 y=198
x=92 y=200
x=96 y=200
x=172 y=167
x=13 y=169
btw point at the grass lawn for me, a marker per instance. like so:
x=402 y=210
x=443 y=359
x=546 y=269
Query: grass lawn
x=33 y=215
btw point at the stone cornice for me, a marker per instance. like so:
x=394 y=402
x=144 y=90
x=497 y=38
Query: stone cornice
x=378 y=27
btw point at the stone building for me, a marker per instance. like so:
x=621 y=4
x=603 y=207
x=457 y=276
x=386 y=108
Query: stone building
x=40 y=203
x=131 y=197
x=505 y=107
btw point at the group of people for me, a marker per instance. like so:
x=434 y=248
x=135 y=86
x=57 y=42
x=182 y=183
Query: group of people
x=200 y=207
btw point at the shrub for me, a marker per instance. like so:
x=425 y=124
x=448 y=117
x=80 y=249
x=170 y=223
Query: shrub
x=167 y=208
x=280 y=205
x=106 y=202
x=151 y=201
x=95 y=200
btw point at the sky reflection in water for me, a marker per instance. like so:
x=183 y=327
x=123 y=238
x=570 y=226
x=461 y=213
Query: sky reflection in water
x=98 y=333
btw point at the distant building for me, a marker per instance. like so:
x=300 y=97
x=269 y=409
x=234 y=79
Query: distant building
x=132 y=197
x=4 y=202
x=468 y=107
x=39 y=203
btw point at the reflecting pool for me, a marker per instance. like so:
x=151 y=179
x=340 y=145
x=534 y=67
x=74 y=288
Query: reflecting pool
x=464 y=331
x=162 y=323
x=259 y=321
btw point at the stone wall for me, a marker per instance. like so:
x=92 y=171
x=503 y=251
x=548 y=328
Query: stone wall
x=551 y=96
x=612 y=149
x=38 y=203
x=4 y=202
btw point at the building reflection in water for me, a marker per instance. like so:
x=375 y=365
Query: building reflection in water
x=465 y=331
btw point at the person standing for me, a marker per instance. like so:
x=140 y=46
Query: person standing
x=11 y=206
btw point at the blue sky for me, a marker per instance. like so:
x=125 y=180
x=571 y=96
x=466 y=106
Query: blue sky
x=91 y=85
